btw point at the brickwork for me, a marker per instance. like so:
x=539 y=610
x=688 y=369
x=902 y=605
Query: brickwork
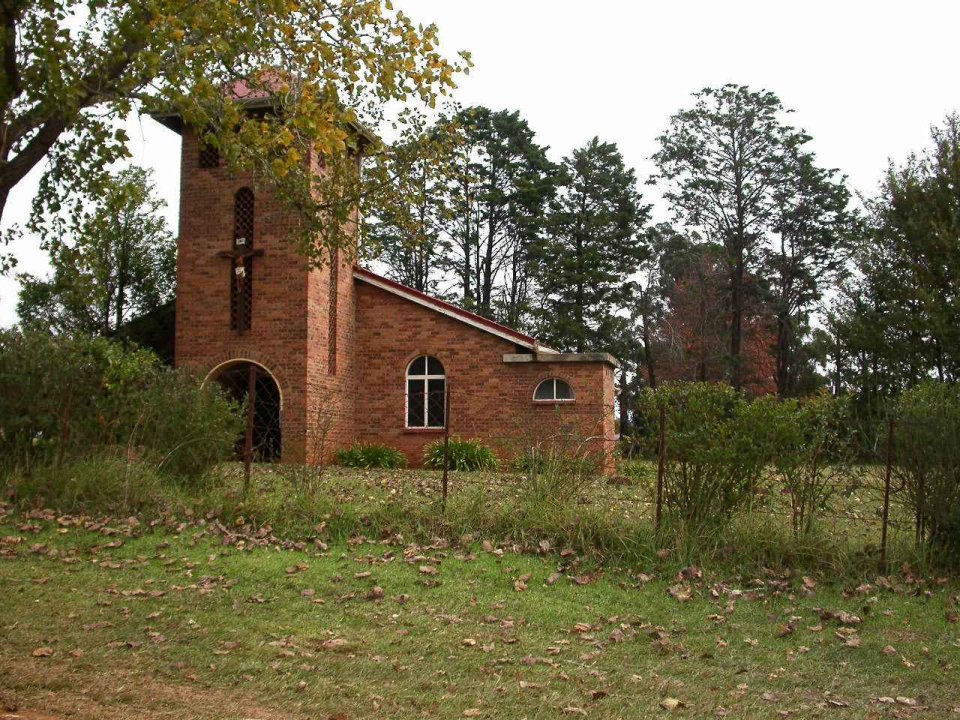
x=336 y=393
x=489 y=399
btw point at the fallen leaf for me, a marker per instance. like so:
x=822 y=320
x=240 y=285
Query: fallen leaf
x=670 y=704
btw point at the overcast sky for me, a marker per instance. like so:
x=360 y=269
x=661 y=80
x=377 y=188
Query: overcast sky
x=866 y=79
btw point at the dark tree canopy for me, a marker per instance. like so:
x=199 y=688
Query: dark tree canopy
x=594 y=243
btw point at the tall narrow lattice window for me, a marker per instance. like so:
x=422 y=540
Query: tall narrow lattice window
x=241 y=280
x=332 y=319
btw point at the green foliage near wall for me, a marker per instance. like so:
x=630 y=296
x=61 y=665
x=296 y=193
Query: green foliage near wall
x=373 y=455
x=927 y=452
x=63 y=399
x=464 y=455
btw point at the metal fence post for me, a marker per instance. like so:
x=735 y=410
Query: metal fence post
x=661 y=460
x=248 y=439
x=446 y=443
x=886 y=497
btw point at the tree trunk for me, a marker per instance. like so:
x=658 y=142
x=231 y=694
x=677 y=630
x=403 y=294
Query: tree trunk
x=736 y=323
x=648 y=354
x=782 y=353
x=467 y=246
x=624 y=402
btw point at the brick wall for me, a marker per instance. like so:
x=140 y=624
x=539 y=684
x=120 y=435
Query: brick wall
x=489 y=399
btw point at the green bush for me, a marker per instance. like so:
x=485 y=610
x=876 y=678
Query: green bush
x=810 y=447
x=64 y=399
x=184 y=426
x=716 y=451
x=471 y=455
x=927 y=452
x=373 y=455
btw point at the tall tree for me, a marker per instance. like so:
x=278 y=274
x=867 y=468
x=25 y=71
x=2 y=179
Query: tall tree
x=721 y=162
x=408 y=212
x=898 y=319
x=117 y=263
x=695 y=328
x=595 y=242
x=812 y=231
x=72 y=69
x=504 y=181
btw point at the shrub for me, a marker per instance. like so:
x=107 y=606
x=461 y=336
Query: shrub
x=809 y=446
x=373 y=455
x=928 y=461
x=185 y=427
x=715 y=451
x=464 y=455
x=63 y=399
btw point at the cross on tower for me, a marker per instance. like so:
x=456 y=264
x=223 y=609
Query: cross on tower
x=241 y=290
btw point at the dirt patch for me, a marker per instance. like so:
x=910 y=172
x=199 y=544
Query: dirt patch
x=50 y=691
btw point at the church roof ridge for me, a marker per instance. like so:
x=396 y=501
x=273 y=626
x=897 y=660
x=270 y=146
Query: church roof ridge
x=449 y=309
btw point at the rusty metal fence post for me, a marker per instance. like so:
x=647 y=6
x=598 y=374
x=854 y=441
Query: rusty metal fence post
x=446 y=443
x=886 y=497
x=661 y=461
x=248 y=439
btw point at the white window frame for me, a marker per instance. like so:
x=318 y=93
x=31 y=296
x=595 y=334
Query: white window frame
x=554 y=398
x=425 y=378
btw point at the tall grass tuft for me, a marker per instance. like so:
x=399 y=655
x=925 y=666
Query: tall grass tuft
x=371 y=455
x=465 y=455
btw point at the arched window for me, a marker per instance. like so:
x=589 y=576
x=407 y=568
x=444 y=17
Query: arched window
x=426 y=393
x=241 y=274
x=553 y=390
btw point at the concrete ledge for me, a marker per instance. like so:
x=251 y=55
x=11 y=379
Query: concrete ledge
x=600 y=357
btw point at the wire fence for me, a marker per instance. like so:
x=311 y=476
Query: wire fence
x=565 y=447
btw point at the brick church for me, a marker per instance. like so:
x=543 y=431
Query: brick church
x=340 y=355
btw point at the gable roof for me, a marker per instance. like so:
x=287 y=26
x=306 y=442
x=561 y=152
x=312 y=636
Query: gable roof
x=450 y=310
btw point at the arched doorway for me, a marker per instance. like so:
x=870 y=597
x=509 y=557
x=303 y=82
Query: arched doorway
x=240 y=378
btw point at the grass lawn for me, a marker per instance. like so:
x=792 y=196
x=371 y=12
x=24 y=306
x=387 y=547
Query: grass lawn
x=183 y=621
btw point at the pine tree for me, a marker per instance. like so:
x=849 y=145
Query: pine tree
x=593 y=245
x=504 y=181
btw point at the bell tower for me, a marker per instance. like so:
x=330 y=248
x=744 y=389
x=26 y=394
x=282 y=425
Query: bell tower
x=252 y=314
